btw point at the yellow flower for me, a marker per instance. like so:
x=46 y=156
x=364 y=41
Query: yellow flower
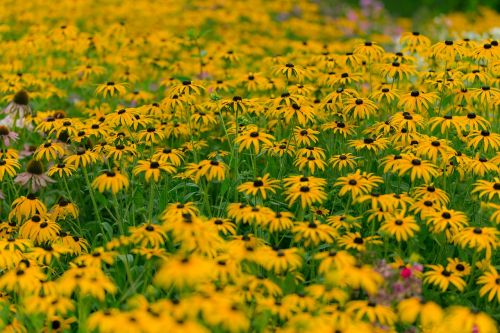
x=260 y=185
x=110 y=89
x=111 y=181
x=152 y=169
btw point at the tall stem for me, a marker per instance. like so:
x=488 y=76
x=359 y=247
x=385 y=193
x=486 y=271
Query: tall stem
x=94 y=204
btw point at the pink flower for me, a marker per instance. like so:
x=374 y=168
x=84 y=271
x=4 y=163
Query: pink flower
x=34 y=177
x=7 y=136
x=28 y=150
x=406 y=273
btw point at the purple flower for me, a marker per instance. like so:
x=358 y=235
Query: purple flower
x=28 y=150
x=7 y=136
x=34 y=177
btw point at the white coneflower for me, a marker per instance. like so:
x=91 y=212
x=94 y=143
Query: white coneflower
x=6 y=136
x=17 y=110
x=34 y=176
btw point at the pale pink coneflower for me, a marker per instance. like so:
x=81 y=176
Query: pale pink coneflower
x=27 y=151
x=7 y=136
x=34 y=177
x=17 y=110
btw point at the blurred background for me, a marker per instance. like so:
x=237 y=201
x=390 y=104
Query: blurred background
x=422 y=8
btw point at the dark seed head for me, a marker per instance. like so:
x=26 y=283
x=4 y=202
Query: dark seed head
x=258 y=183
x=446 y=215
x=358 y=240
x=35 y=167
x=21 y=98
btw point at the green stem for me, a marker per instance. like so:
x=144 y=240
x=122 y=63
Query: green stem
x=94 y=204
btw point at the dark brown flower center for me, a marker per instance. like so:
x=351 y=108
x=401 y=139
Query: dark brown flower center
x=21 y=98
x=35 y=167
x=258 y=183
x=358 y=240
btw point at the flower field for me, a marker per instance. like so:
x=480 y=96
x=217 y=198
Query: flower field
x=247 y=166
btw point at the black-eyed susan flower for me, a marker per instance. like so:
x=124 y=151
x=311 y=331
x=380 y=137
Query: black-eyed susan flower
x=442 y=278
x=369 y=144
x=63 y=209
x=334 y=259
x=314 y=233
x=490 y=281
x=369 y=49
x=280 y=260
x=446 y=123
x=447 y=50
x=183 y=271
x=417 y=101
x=110 y=88
x=400 y=226
x=49 y=151
x=360 y=108
x=310 y=162
x=343 y=162
x=260 y=185
x=478 y=238
x=148 y=235
x=488 y=189
x=110 y=180
x=82 y=157
x=375 y=313
x=480 y=166
x=224 y=226
x=353 y=184
x=354 y=240
x=152 y=169
x=211 y=170
x=279 y=222
x=484 y=139
x=431 y=192
x=308 y=193
x=417 y=168
x=61 y=170
x=427 y=312
x=291 y=71
x=253 y=138
x=448 y=220
x=414 y=41
x=40 y=229
x=458 y=266
x=8 y=167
